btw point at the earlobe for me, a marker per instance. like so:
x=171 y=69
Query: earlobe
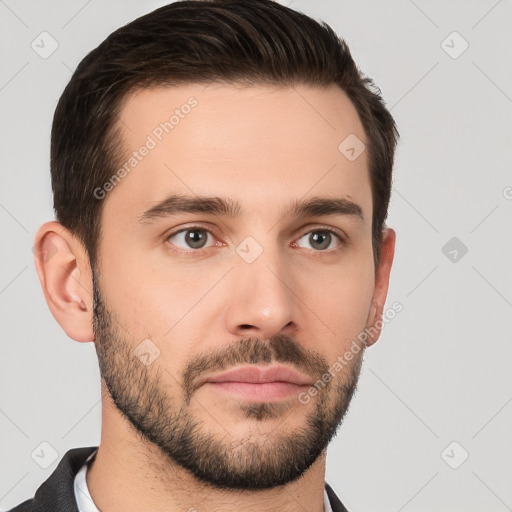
x=64 y=272
x=387 y=252
x=374 y=323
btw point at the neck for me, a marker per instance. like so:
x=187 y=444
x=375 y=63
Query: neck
x=131 y=474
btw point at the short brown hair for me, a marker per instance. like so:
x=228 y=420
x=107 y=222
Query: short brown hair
x=200 y=41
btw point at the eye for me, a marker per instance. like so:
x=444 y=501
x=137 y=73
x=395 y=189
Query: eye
x=321 y=239
x=194 y=237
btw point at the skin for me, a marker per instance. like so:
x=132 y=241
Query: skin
x=264 y=147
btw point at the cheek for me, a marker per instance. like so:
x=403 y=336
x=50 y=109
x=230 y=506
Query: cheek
x=152 y=298
x=342 y=304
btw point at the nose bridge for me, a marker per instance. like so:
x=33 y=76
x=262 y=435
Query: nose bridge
x=262 y=297
x=265 y=269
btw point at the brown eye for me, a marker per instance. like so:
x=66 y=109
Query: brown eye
x=190 y=238
x=321 y=239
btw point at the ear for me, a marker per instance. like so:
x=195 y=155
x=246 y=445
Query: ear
x=387 y=252
x=64 y=271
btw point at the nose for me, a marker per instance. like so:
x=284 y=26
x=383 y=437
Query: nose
x=262 y=302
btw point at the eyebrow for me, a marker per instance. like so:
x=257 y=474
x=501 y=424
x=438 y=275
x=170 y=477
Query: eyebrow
x=179 y=204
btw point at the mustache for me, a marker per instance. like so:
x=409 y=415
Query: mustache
x=278 y=349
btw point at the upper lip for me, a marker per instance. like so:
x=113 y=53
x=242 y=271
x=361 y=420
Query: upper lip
x=258 y=375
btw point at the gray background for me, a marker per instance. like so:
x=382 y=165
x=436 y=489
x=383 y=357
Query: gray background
x=440 y=372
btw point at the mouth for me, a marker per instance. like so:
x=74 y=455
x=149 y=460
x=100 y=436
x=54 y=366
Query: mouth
x=259 y=383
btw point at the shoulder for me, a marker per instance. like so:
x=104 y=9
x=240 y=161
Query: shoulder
x=56 y=494
x=336 y=504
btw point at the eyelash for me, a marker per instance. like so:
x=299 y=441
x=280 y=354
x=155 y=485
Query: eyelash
x=341 y=239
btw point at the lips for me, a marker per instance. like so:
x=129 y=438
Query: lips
x=258 y=375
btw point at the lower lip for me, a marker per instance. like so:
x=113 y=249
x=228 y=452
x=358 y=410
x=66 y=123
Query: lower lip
x=265 y=391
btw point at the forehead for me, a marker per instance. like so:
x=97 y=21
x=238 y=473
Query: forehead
x=259 y=145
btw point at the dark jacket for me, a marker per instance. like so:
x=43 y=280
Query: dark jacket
x=56 y=494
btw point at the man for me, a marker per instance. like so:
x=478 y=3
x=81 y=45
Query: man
x=228 y=358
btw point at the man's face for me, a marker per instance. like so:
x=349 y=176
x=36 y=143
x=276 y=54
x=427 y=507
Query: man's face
x=182 y=296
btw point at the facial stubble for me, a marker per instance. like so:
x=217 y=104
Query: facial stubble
x=162 y=412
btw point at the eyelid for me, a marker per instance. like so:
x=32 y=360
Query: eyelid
x=187 y=228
